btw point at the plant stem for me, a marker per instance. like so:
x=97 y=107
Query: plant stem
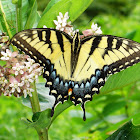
x=34 y=100
x=42 y=133
x=19 y=16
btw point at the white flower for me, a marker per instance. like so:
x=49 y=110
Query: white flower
x=18 y=69
x=15 y=86
x=44 y=26
x=94 y=27
x=99 y=31
x=6 y=92
x=3 y=81
x=66 y=16
x=63 y=25
x=6 y=55
x=96 y=30
x=26 y=81
x=31 y=60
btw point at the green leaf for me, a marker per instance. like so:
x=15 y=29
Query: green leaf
x=32 y=14
x=60 y=108
x=50 y=5
x=126 y=132
x=131 y=34
x=2 y=63
x=121 y=79
x=7 y=12
x=136 y=119
x=117 y=125
x=43 y=119
x=74 y=8
x=112 y=107
x=14 y=1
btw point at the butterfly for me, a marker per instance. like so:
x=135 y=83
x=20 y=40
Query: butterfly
x=76 y=68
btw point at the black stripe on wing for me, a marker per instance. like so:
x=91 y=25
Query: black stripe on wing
x=131 y=47
x=60 y=40
x=95 y=44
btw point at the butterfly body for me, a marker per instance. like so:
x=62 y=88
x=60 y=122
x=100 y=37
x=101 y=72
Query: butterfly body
x=76 y=67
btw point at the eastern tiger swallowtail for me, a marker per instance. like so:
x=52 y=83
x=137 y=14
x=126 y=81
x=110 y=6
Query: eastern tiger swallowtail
x=74 y=67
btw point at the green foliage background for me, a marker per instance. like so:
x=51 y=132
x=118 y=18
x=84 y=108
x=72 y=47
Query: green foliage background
x=108 y=111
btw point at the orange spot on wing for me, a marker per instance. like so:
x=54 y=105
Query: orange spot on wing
x=69 y=91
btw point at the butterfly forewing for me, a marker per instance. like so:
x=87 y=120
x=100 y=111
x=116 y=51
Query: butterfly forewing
x=98 y=51
x=50 y=44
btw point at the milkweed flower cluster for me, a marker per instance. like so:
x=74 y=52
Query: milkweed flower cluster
x=62 y=24
x=95 y=30
x=17 y=73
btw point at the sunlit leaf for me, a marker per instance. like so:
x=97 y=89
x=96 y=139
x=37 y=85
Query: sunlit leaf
x=74 y=8
x=32 y=14
x=127 y=132
x=136 y=119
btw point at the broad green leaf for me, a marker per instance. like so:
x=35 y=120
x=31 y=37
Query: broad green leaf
x=127 y=132
x=74 y=8
x=136 y=37
x=43 y=119
x=131 y=34
x=136 y=119
x=95 y=121
x=50 y=5
x=41 y=5
x=60 y=108
x=112 y=107
x=32 y=14
x=121 y=79
x=7 y=14
x=116 y=126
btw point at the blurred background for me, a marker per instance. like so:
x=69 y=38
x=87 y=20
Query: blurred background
x=116 y=17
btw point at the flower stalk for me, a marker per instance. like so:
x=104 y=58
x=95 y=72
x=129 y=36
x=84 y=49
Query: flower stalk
x=19 y=16
x=34 y=100
x=42 y=133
